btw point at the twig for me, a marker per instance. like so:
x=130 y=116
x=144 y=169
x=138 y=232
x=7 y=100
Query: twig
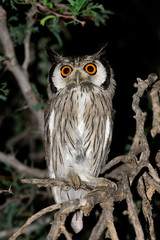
x=9 y=191
x=67 y=15
x=15 y=139
x=99 y=228
x=20 y=167
x=58 y=226
x=113 y=162
x=32 y=228
x=34 y=218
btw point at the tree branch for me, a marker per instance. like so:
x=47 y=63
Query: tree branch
x=155 y=97
x=19 y=73
x=132 y=211
x=34 y=218
x=31 y=21
x=20 y=167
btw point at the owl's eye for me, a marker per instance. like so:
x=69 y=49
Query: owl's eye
x=65 y=70
x=90 y=68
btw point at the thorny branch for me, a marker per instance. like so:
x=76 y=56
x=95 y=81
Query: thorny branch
x=130 y=166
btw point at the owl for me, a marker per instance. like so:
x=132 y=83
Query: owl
x=78 y=123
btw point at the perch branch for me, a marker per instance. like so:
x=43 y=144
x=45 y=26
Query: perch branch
x=59 y=182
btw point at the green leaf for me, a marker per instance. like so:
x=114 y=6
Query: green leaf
x=4 y=91
x=48 y=4
x=2 y=97
x=72 y=2
x=43 y=20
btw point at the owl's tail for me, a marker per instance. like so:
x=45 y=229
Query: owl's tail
x=77 y=221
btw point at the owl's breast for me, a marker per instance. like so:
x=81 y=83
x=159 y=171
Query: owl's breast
x=80 y=129
x=82 y=105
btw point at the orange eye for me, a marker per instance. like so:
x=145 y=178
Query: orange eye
x=90 y=68
x=65 y=70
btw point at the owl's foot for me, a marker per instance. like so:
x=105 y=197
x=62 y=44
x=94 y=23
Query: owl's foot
x=103 y=182
x=74 y=181
x=100 y=182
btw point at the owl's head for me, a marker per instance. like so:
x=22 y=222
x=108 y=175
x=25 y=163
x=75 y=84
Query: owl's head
x=67 y=72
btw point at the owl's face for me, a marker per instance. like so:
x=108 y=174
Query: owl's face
x=67 y=71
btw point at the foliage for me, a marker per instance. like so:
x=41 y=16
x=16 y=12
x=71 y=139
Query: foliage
x=4 y=91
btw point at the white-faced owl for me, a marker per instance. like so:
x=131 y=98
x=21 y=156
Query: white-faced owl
x=78 y=122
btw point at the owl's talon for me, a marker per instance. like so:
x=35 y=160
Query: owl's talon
x=74 y=181
x=65 y=188
x=112 y=184
x=107 y=182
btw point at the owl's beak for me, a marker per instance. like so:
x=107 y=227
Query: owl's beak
x=77 y=77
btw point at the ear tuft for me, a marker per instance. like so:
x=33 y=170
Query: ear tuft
x=53 y=55
x=101 y=52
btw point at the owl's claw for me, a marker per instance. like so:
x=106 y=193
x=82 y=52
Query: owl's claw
x=74 y=181
x=103 y=182
x=100 y=182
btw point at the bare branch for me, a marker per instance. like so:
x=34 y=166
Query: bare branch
x=9 y=191
x=146 y=207
x=155 y=96
x=99 y=228
x=20 y=167
x=132 y=211
x=32 y=228
x=31 y=21
x=34 y=218
x=108 y=212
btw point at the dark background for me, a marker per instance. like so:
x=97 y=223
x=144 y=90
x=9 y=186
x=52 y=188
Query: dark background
x=133 y=37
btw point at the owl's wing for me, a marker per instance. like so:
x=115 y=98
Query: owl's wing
x=47 y=133
x=107 y=142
